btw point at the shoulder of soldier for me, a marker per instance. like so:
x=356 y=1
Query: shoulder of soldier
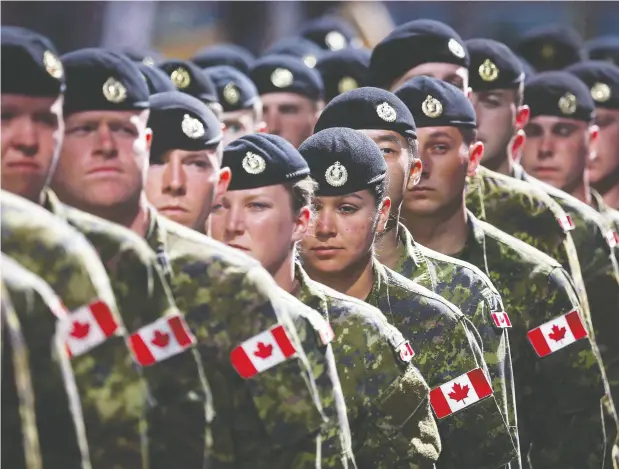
x=17 y=277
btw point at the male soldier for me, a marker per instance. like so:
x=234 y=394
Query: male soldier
x=59 y=424
x=106 y=132
x=330 y=32
x=393 y=130
x=291 y=94
x=344 y=70
x=603 y=48
x=298 y=47
x=558 y=390
x=224 y=54
x=240 y=100
x=551 y=47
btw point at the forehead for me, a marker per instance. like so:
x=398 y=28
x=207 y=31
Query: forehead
x=237 y=115
x=425 y=133
x=438 y=70
x=601 y=112
x=549 y=121
x=275 y=191
x=380 y=135
x=276 y=99
x=106 y=116
x=335 y=199
x=502 y=93
x=20 y=101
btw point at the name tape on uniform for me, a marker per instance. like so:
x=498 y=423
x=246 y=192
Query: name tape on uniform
x=261 y=352
x=557 y=333
x=460 y=393
x=162 y=339
x=87 y=327
x=501 y=319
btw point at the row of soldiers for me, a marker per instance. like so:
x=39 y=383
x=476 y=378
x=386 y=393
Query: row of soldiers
x=235 y=263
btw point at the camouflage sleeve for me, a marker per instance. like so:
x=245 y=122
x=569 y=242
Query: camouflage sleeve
x=560 y=395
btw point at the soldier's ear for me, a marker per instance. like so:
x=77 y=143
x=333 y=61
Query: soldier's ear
x=415 y=174
x=476 y=153
x=517 y=144
x=383 y=215
x=301 y=224
x=522 y=116
x=594 y=134
x=225 y=176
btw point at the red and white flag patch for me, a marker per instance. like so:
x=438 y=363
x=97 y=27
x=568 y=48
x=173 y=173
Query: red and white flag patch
x=87 y=327
x=261 y=352
x=501 y=319
x=162 y=339
x=612 y=238
x=460 y=393
x=406 y=352
x=566 y=222
x=557 y=334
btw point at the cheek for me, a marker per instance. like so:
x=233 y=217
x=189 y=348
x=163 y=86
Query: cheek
x=153 y=180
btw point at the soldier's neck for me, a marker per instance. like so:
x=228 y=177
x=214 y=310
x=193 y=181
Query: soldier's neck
x=386 y=247
x=502 y=164
x=355 y=281
x=611 y=197
x=444 y=232
x=131 y=215
x=284 y=275
x=582 y=192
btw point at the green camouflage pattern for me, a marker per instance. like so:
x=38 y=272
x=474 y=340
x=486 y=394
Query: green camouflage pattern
x=610 y=214
x=60 y=428
x=445 y=348
x=472 y=292
x=558 y=396
x=228 y=298
x=19 y=426
x=180 y=401
x=112 y=391
x=386 y=400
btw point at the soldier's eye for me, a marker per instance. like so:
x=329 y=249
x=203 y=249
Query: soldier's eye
x=348 y=209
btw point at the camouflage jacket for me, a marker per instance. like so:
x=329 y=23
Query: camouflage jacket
x=472 y=292
x=180 y=400
x=558 y=395
x=112 y=390
x=610 y=214
x=267 y=419
x=445 y=349
x=59 y=424
x=386 y=399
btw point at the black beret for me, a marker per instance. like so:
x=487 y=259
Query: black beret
x=559 y=94
x=435 y=103
x=412 y=44
x=367 y=109
x=144 y=56
x=298 y=47
x=224 y=54
x=190 y=79
x=551 y=47
x=259 y=160
x=102 y=80
x=603 y=48
x=234 y=89
x=343 y=161
x=181 y=122
x=30 y=64
x=527 y=68
x=157 y=80
x=329 y=32
x=493 y=66
x=344 y=70
x=282 y=73
x=602 y=78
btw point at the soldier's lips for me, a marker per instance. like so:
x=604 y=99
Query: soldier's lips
x=326 y=251
x=23 y=165
x=103 y=170
x=172 y=209
x=238 y=246
x=545 y=170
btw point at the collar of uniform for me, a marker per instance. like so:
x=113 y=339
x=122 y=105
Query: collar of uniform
x=379 y=284
x=52 y=203
x=476 y=238
x=310 y=293
x=412 y=263
x=598 y=201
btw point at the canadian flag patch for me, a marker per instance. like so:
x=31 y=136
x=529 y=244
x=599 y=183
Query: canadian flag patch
x=87 y=327
x=459 y=393
x=162 y=339
x=262 y=351
x=566 y=222
x=557 y=334
x=612 y=238
x=501 y=319
x=406 y=352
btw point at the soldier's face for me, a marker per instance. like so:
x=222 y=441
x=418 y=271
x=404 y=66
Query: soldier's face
x=103 y=161
x=239 y=123
x=451 y=73
x=260 y=222
x=557 y=150
x=343 y=231
x=32 y=131
x=182 y=185
x=604 y=169
x=447 y=160
x=290 y=116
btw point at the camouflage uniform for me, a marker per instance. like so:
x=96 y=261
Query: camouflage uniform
x=391 y=425
x=445 y=349
x=469 y=289
x=267 y=420
x=60 y=427
x=610 y=214
x=180 y=397
x=111 y=387
x=558 y=397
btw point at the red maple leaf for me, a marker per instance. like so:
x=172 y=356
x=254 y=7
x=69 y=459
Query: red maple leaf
x=557 y=333
x=161 y=339
x=263 y=351
x=459 y=393
x=80 y=329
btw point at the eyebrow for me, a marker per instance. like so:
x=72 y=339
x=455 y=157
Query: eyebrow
x=439 y=134
x=388 y=138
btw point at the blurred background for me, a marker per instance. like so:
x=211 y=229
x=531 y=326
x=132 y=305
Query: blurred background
x=178 y=29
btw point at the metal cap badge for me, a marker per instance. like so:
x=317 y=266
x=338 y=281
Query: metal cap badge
x=310 y=60
x=432 y=107
x=386 y=112
x=114 y=91
x=181 y=78
x=568 y=104
x=231 y=93
x=336 y=175
x=281 y=77
x=347 y=84
x=253 y=164
x=488 y=71
x=456 y=48
x=601 y=92
x=192 y=127
x=335 y=40
x=52 y=65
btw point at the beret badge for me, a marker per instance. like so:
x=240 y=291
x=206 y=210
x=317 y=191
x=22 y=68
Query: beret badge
x=488 y=71
x=281 y=77
x=347 y=84
x=600 y=92
x=193 y=128
x=432 y=107
x=335 y=40
x=386 y=112
x=253 y=164
x=52 y=65
x=231 y=93
x=148 y=61
x=310 y=60
x=114 y=91
x=456 y=48
x=336 y=175
x=568 y=104
x=180 y=77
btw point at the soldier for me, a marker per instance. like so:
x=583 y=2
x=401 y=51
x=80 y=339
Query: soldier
x=299 y=47
x=59 y=425
x=157 y=80
x=265 y=212
x=330 y=32
x=385 y=118
x=106 y=132
x=224 y=54
x=558 y=390
x=242 y=107
x=344 y=70
x=352 y=207
x=291 y=94
x=603 y=48
x=551 y=47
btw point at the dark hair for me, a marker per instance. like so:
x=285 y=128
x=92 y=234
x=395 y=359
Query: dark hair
x=302 y=192
x=469 y=136
x=379 y=191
